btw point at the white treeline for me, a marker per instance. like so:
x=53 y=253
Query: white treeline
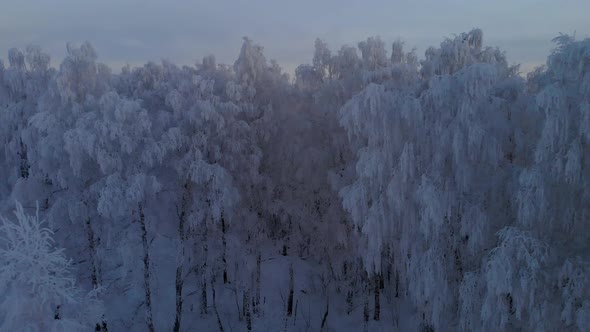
x=375 y=184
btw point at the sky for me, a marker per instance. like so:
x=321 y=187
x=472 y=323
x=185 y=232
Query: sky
x=134 y=32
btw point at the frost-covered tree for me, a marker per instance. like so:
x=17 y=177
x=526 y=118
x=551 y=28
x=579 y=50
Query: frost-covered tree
x=38 y=289
x=537 y=277
x=115 y=141
x=449 y=190
x=435 y=169
x=22 y=83
x=373 y=53
x=71 y=94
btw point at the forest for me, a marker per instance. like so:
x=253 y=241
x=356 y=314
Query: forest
x=376 y=190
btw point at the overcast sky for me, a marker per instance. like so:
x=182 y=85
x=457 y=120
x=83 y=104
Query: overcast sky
x=135 y=32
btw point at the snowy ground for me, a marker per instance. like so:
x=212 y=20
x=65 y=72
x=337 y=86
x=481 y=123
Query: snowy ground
x=309 y=307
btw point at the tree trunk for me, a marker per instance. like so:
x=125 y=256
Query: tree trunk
x=224 y=249
x=179 y=284
x=146 y=270
x=349 y=302
x=244 y=305
x=291 y=291
x=204 y=270
x=258 y=275
x=215 y=307
x=325 y=318
x=377 y=312
x=204 y=297
x=295 y=315
x=288 y=239
x=102 y=325
x=396 y=284
x=92 y=252
x=24 y=161
x=247 y=310
x=366 y=306
x=179 y=268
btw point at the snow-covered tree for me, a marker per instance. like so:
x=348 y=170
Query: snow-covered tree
x=536 y=278
x=38 y=289
x=435 y=167
x=22 y=83
x=450 y=189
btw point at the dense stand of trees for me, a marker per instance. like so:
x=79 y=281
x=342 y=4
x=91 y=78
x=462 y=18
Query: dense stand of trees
x=448 y=183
